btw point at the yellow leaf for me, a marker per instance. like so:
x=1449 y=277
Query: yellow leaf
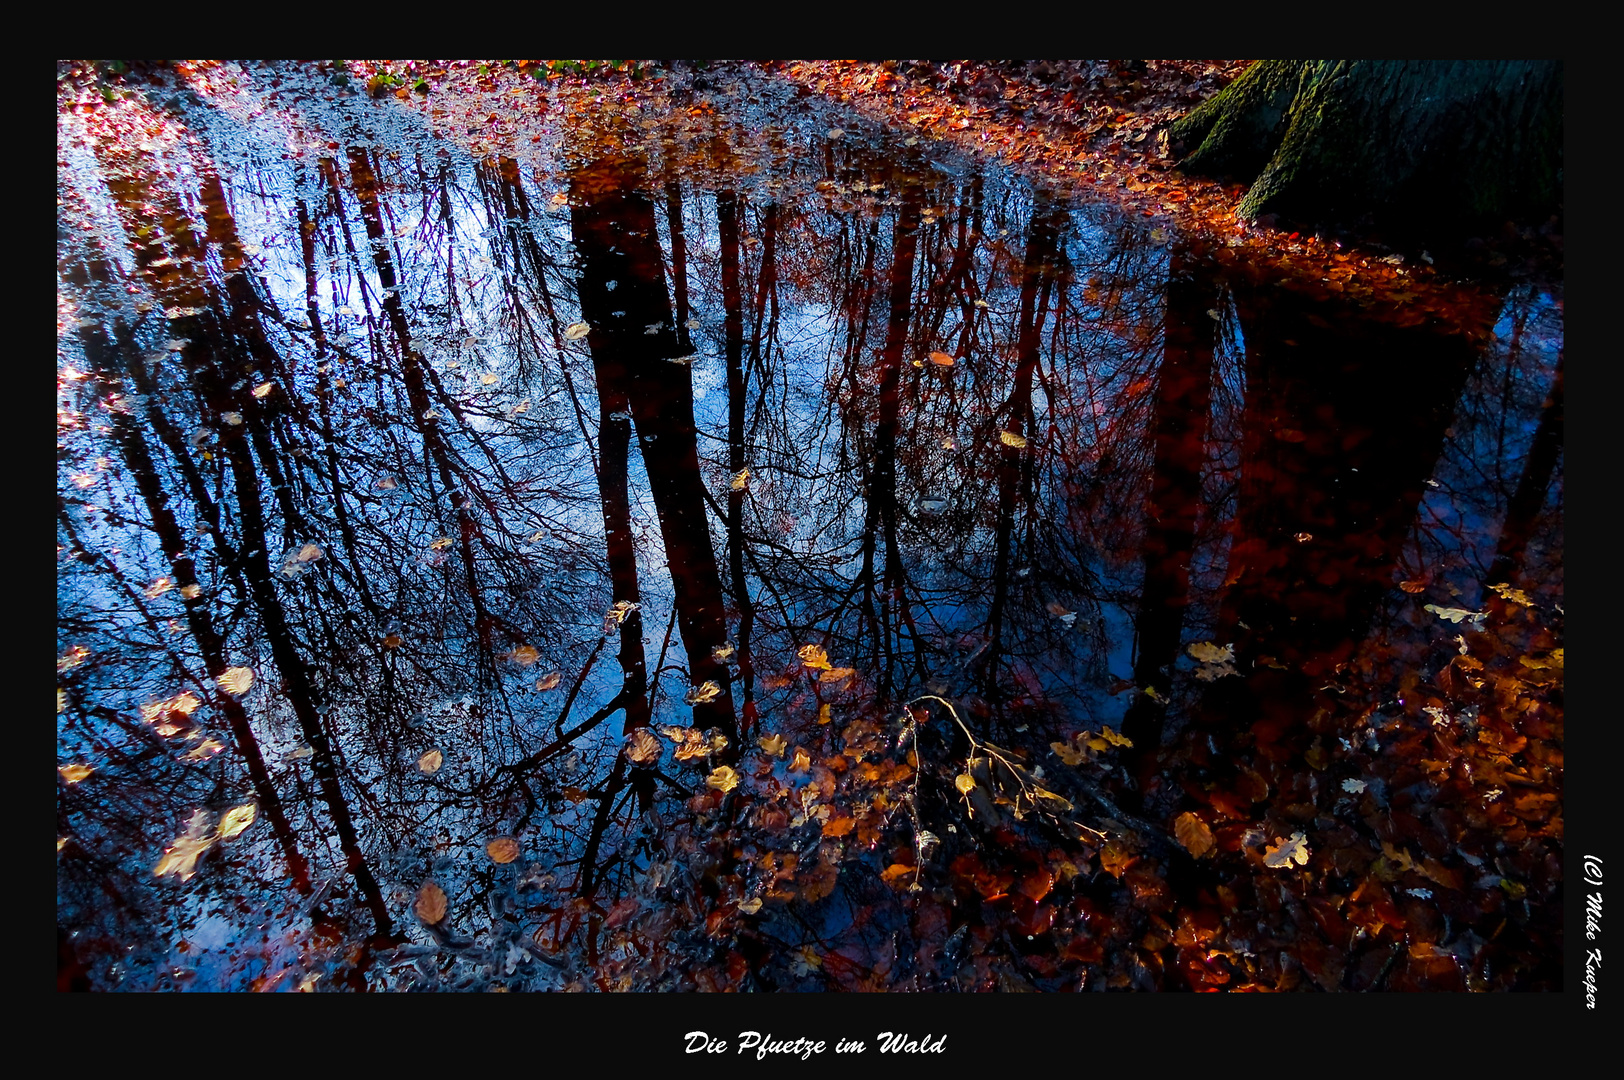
x=618 y=613
x=709 y=690
x=503 y=849
x=813 y=656
x=1193 y=834
x=157 y=588
x=824 y=714
x=1114 y=739
x=839 y=826
x=524 y=655
x=722 y=778
x=801 y=762
x=1009 y=438
x=942 y=359
x=1515 y=596
x=203 y=751
x=722 y=653
x=1280 y=855
x=577 y=331
x=1070 y=754
x=191 y=592
x=965 y=783
x=431 y=761
x=773 y=744
x=263 y=390
x=236 y=681
x=1413 y=586
x=61 y=700
x=237 y=819
x=430 y=906
x=642 y=748
x=896 y=871
x=548 y=681
x=751 y=906
x=489 y=379
x=1208 y=653
x=180 y=858
x=441 y=544
x=740 y=480
x=75 y=773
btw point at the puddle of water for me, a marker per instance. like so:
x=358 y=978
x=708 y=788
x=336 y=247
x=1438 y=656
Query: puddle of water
x=618 y=475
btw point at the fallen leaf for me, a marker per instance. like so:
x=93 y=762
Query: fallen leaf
x=1280 y=855
x=441 y=543
x=1208 y=653
x=709 y=690
x=157 y=588
x=722 y=778
x=309 y=553
x=75 y=773
x=236 y=681
x=1072 y=753
x=430 y=906
x=722 y=653
x=740 y=481
x=1353 y=786
x=751 y=906
x=1515 y=596
x=1009 y=438
x=191 y=592
x=524 y=655
x=263 y=390
x=773 y=744
x=965 y=783
x=618 y=613
x=1413 y=586
x=801 y=762
x=642 y=748
x=942 y=359
x=180 y=858
x=489 y=379
x=1193 y=834
x=577 y=331
x=548 y=681
x=203 y=751
x=1114 y=739
x=236 y=820
x=503 y=849
x=813 y=656
x=431 y=761
x=1453 y=614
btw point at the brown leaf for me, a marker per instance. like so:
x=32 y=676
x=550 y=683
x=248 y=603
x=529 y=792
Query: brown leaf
x=549 y=681
x=1193 y=834
x=642 y=748
x=430 y=906
x=503 y=849
x=430 y=761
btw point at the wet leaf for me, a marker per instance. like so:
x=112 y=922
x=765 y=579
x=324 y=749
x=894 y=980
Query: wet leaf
x=1413 y=586
x=157 y=588
x=706 y=691
x=1302 y=537
x=642 y=748
x=180 y=858
x=1009 y=438
x=1515 y=596
x=502 y=849
x=236 y=681
x=577 y=331
x=1353 y=786
x=75 y=773
x=431 y=761
x=773 y=744
x=234 y=419
x=309 y=553
x=386 y=483
x=441 y=544
x=813 y=656
x=751 y=906
x=722 y=778
x=1281 y=855
x=722 y=653
x=489 y=379
x=1208 y=653
x=740 y=481
x=839 y=826
x=204 y=750
x=191 y=592
x=524 y=655
x=801 y=762
x=965 y=783
x=430 y=905
x=263 y=390
x=1115 y=739
x=1193 y=834
x=942 y=359
x=1453 y=614
x=618 y=613
x=1073 y=752
x=549 y=681
x=237 y=819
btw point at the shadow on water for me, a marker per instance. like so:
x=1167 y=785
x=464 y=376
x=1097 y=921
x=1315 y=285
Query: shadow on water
x=995 y=591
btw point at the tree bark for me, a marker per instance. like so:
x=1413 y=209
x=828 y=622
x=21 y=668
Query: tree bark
x=1420 y=145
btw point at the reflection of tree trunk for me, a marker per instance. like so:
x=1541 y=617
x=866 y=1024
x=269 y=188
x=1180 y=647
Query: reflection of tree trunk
x=1014 y=462
x=727 y=219
x=1344 y=421
x=1178 y=432
x=1529 y=498
x=623 y=293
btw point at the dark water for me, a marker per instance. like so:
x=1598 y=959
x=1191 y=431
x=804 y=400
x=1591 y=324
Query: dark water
x=480 y=454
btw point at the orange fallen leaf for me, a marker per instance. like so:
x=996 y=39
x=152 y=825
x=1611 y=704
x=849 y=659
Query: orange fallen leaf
x=1193 y=834
x=503 y=849
x=430 y=906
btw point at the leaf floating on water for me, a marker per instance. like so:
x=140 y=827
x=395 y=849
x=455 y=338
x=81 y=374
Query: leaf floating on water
x=685 y=361
x=232 y=418
x=942 y=359
x=236 y=681
x=237 y=819
x=577 y=331
x=708 y=690
x=722 y=778
x=524 y=655
x=723 y=653
x=490 y=378
x=204 y=750
x=618 y=614
x=191 y=592
x=1281 y=855
x=1413 y=586
x=1073 y=752
x=309 y=553
x=61 y=700
x=773 y=744
x=1193 y=834
x=740 y=481
x=72 y=658
x=431 y=761
x=642 y=748
x=813 y=656
x=1515 y=596
x=180 y=858
x=386 y=483
x=549 y=681
x=801 y=762
x=503 y=849
x=430 y=906
x=75 y=773
x=751 y=906
x=1453 y=614
x=441 y=543
x=1115 y=739
x=157 y=588
x=1009 y=438
x=1208 y=653
x=263 y=390
x=1354 y=787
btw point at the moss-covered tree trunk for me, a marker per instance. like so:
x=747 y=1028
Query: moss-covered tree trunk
x=1423 y=145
